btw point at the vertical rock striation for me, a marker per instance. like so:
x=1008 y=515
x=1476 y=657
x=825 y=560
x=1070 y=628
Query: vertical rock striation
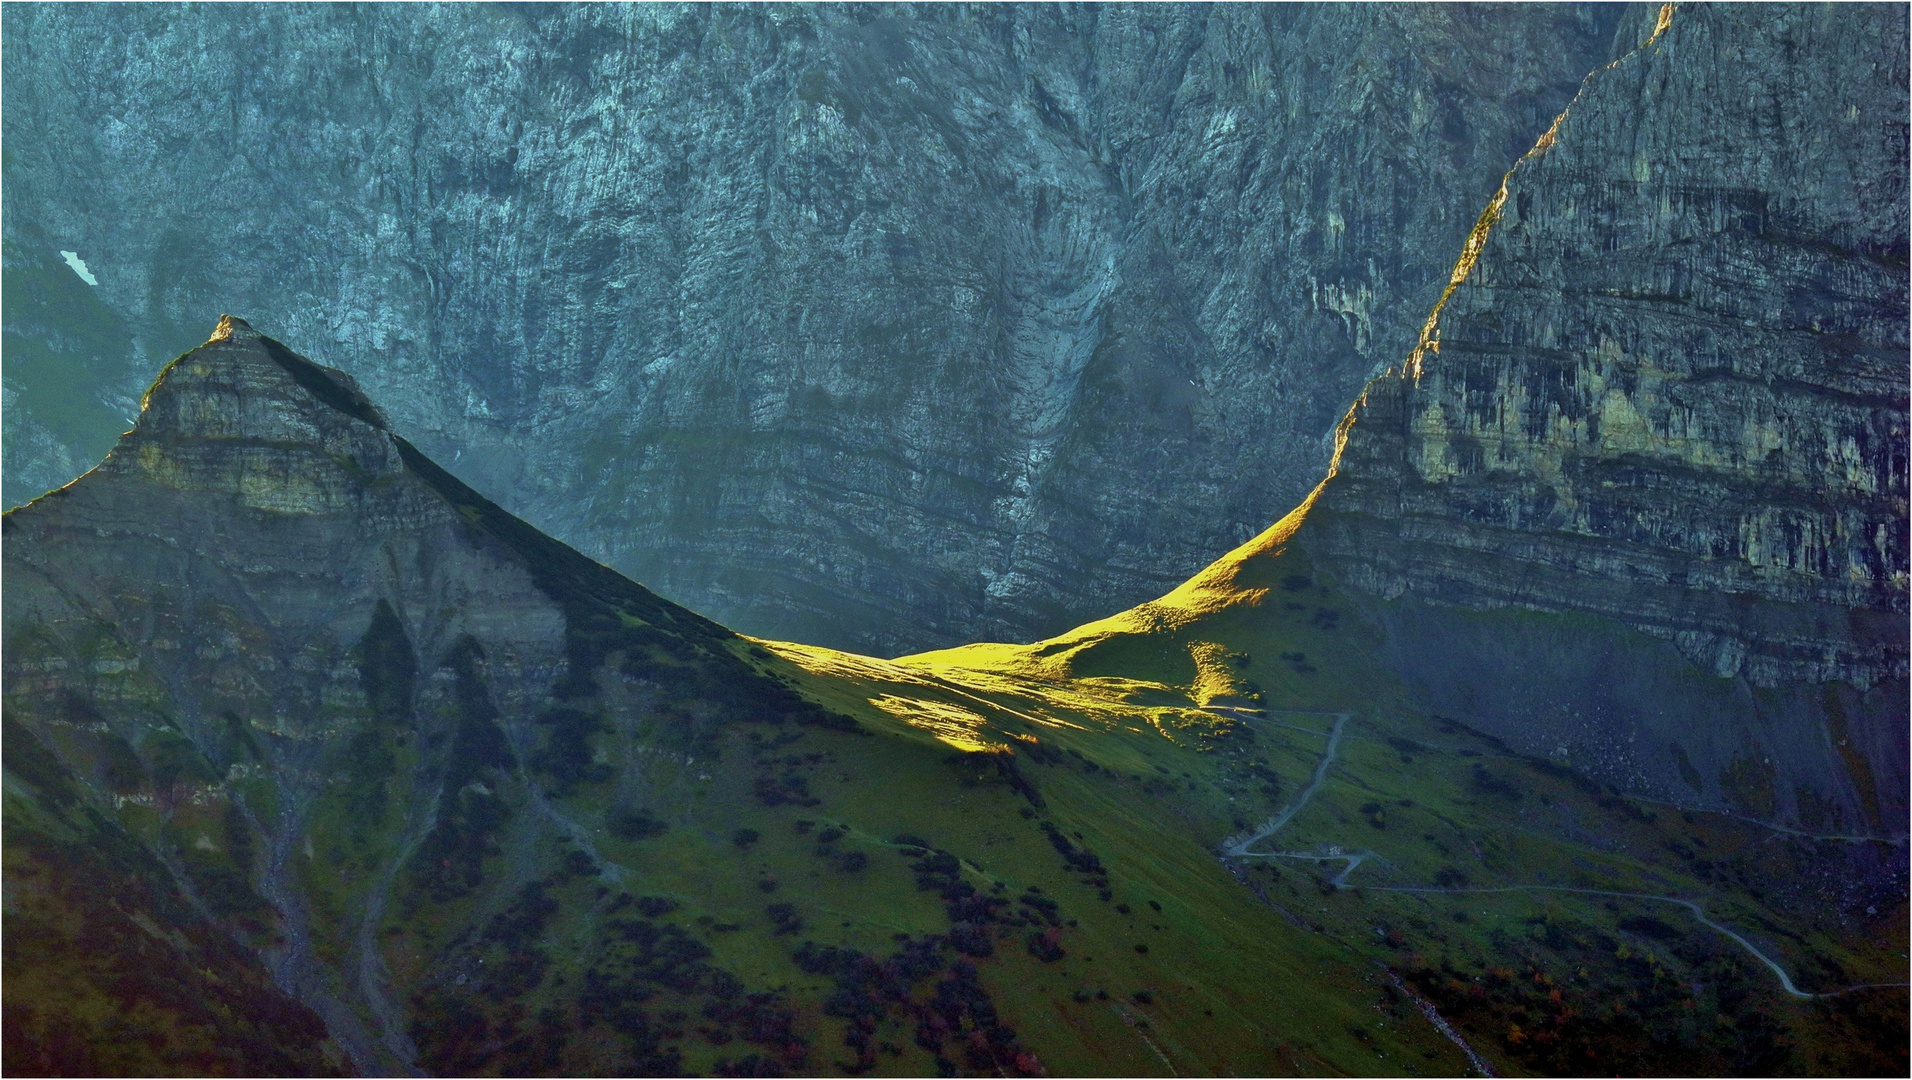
x=1672 y=392
x=882 y=327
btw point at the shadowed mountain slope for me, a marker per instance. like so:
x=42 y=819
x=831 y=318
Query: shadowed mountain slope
x=470 y=803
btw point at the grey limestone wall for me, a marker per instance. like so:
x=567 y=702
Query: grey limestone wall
x=880 y=327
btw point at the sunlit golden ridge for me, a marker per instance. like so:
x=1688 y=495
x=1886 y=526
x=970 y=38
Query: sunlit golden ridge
x=1019 y=680
x=1430 y=339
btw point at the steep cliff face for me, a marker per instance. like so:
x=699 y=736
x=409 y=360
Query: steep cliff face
x=1671 y=392
x=880 y=327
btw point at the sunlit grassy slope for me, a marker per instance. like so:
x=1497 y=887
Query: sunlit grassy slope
x=1164 y=732
x=703 y=854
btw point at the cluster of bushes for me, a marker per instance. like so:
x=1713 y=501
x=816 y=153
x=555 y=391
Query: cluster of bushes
x=565 y=758
x=983 y=766
x=791 y=788
x=971 y=912
x=473 y=1024
x=760 y=1019
x=515 y=930
x=1079 y=860
x=636 y=824
x=957 y=1017
x=456 y=1037
x=450 y=863
x=1613 y=1007
x=1486 y=783
x=1038 y=908
x=784 y=919
x=1407 y=748
x=848 y=862
x=388 y=671
x=650 y=907
x=941 y=873
x=1045 y=946
x=638 y=957
x=638 y=962
x=990 y=1046
x=1269 y=780
x=1376 y=814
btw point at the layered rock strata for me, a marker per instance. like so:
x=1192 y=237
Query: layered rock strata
x=1670 y=391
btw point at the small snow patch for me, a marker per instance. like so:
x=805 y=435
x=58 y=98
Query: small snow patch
x=79 y=267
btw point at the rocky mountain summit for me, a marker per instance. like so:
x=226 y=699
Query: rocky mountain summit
x=881 y=327
x=265 y=622
x=262 y=587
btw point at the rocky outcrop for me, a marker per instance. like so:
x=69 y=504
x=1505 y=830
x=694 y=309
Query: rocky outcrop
x=1670 y=391
x=333 y=522
x=880 y=327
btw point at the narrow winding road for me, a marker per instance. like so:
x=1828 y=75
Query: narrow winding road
x=1697 y=912
x=1239 y=847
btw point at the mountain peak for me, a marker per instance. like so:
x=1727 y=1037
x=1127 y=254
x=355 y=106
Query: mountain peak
x=233 y=328
x=242 y=418
x=243 y=384
x=243 y=413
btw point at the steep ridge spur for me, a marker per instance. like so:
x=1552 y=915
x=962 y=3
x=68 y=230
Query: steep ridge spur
x=194 y=612
x=1639 y=497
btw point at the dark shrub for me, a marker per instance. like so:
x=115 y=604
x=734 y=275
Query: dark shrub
x=634 y=825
